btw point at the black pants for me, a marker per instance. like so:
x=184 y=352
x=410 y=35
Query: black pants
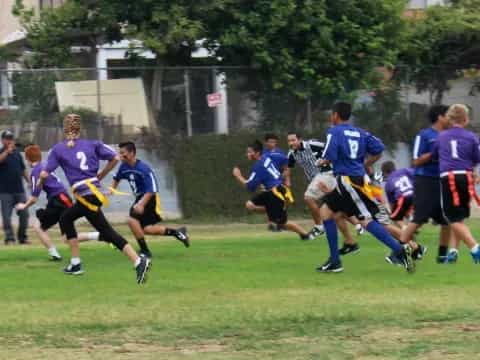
x=8 y=202
x=95 y=218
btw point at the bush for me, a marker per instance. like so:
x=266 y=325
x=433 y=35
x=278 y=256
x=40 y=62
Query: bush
x=206 y=187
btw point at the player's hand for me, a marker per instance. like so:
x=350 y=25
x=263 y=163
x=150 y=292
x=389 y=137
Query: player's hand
x=236 y=172
x=139 y=208
x=20 y=206
x=322 y=162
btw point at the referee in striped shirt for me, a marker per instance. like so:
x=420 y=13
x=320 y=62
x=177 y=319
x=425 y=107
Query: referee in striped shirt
x=306 y=153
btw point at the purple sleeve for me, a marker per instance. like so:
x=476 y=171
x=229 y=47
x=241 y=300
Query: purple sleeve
x=52 y=161
x=36 y=190
x=105 y=152
x=476 y=150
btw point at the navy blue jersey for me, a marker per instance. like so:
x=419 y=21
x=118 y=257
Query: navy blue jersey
x=346 y=148
x=141 y=177
x=278 y=156
x=264 y=172
x=424 y=142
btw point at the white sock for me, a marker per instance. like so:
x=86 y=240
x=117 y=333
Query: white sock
x=453 y=250
x=319 y=227
x=137 y=262
x=75 y=261
x=93 y=235
x=358 y=227
x=53 y=251
x=474 y=249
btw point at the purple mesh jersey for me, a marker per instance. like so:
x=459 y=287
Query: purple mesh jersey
x=457 y=149
x=399 y=183
x=80 y=162
x=52 y=185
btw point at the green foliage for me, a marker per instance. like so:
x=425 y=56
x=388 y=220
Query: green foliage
x=205 y=184
x=442 y=45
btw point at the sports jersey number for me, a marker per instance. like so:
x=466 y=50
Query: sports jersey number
x=453 y=146
x=83 y=160
x=271 y=168
x=353 y=144
x=403 y=184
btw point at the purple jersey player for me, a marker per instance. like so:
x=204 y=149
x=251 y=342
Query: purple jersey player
x=399 y=190
x=458 y=153
x=80 y=159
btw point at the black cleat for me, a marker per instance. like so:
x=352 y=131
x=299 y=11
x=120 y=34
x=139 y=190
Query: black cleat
x=406 y=258
x=393 y=259
x=330 y=267
x=317 y=232
x=146 y=253
x=181 y=235
x=349 y=249
x=73 y=269
x=419 y=253
x=274 y=228
x=142 y=269
x=55 y=258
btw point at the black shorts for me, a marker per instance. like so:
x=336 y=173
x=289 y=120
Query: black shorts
x=275 y=207
x=151 y=213
x=402 y=208
x=455 y=198
x=426 y=200
x=56 y=206
x=350 y=200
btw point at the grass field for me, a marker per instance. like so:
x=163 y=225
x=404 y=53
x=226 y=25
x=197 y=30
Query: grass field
x=239 y=292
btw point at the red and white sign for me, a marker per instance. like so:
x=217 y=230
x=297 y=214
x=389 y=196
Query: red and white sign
x=214 y=99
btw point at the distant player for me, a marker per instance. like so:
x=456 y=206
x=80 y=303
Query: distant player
x=145 y=211
x=57 y=202
x=399 y=191
x=280 y=160
x=275 y=197
x=350 y=150
x=426 y=198
x=458 y=153
x=80 y=160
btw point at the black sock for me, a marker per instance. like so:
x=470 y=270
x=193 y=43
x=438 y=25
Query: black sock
x=143 y=245
x=442 y=250
x=170 y=232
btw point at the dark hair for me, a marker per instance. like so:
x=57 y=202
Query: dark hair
x=388 y=167
x=257 y=146
x=296 y=133
x=435 y=111
x=269 y=136
x=343 y=109
x=129 y=146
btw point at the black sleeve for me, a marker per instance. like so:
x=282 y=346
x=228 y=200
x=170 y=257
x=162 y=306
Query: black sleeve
x=291 y=160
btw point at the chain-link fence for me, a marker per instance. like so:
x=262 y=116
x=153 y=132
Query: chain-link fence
x=159 y=107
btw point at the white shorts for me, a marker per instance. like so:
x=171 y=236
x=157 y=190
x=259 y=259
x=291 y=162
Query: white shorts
x=313 y=190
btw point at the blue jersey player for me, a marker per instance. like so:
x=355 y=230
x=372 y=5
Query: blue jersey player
x=145 y=211
x=350 y=150
x=276 y=196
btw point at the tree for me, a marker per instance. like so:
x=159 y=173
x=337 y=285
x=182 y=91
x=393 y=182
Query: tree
x=442 y=46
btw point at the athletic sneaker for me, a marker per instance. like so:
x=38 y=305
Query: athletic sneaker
x=329 y=266
x=54 y=255
x=142 y=269
x=406 y=259
x=73 y=269
x=451 y=257
x=393 y=259
x=309 y=236
x=317 y=232
x=360 y=230
x=476 y=256
x=441 y=259
x=419 y=253
x=146 y=253
x=181 y=235
x=349 y=249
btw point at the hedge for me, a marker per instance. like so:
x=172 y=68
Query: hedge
x=205 y=184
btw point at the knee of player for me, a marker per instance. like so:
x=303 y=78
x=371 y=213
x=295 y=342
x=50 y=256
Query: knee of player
x=249 y=205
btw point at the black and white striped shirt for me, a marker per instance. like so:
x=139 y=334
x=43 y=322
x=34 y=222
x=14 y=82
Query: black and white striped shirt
x=306 y=156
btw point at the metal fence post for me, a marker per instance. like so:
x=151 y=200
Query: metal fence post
x=188 y=106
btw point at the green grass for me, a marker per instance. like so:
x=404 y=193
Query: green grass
x=239 y=292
